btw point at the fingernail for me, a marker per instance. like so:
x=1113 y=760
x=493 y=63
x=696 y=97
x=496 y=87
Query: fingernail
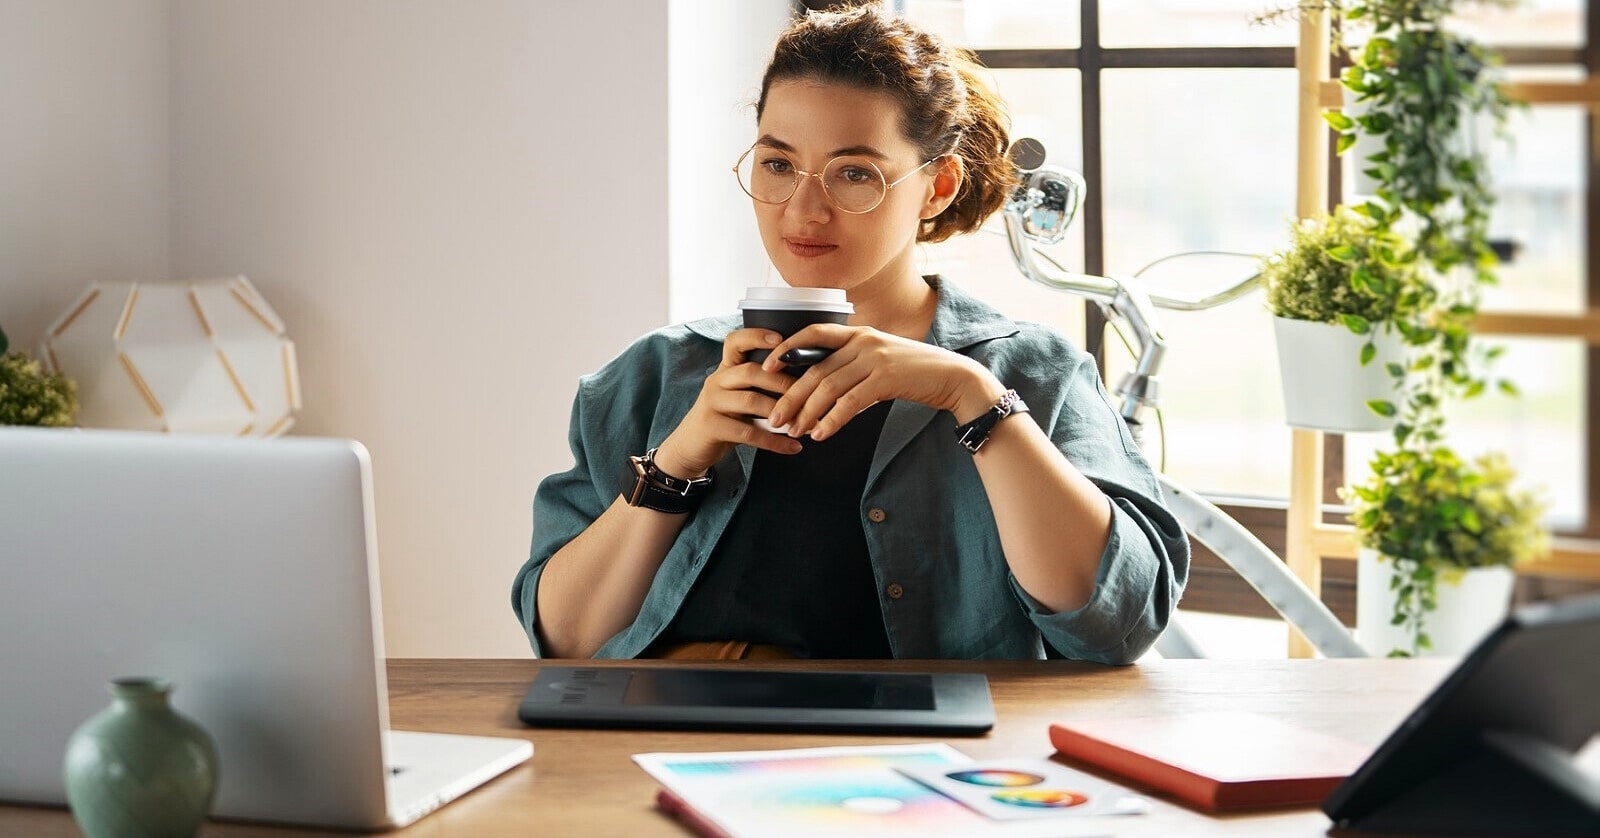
x=775 y=419
x=771 y=339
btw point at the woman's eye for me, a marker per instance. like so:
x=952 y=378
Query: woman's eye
x=853 y=174
x=777 y=166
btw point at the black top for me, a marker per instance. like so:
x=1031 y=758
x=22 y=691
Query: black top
x=792 y=568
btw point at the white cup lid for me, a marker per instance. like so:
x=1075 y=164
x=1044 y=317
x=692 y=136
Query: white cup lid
x=797 y=299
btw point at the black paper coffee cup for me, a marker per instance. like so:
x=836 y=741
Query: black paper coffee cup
x=787 y=310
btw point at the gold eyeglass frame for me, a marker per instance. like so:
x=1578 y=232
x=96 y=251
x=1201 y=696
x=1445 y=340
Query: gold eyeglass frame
x=799 y=172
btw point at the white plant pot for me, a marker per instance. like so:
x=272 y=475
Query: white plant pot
x=1325 y=385
x=1470 y=606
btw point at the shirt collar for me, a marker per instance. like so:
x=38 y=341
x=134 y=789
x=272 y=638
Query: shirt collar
x=960 y=320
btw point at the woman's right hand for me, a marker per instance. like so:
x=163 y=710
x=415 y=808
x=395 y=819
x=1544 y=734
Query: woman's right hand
x=720 y=417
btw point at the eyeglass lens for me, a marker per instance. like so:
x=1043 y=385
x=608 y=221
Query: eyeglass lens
x=854 y=184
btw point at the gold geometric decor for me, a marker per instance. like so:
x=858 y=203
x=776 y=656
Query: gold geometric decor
x=192 y=356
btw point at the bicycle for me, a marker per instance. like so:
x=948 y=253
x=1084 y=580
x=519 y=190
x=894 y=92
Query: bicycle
x=1040 y=211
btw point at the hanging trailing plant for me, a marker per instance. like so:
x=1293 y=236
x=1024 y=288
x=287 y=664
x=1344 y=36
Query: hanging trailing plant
x=1422 y=86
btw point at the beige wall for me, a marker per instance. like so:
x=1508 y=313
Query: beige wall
x=84 y=189
x=457 y=208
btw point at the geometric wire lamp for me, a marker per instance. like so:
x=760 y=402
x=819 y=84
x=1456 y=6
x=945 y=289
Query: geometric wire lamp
x=194 y=356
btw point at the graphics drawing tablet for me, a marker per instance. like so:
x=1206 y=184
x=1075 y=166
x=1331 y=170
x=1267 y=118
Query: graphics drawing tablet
x=759 y=699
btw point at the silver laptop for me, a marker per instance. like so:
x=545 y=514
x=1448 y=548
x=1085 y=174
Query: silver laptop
x=245 y=572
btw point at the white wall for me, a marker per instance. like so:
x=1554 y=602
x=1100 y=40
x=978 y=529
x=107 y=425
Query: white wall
x=457 y=208
x=719 y=49
x=84 y=178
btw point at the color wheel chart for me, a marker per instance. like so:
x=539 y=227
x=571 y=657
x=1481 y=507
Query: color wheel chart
x=849 y=791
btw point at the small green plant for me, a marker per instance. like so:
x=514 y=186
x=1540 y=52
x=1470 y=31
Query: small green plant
x=31 y=396
x=1342 y=268
x=1436 y=516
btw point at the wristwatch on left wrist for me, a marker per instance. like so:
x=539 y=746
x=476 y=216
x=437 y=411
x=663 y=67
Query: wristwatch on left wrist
x=974 y=434
x=645 y=485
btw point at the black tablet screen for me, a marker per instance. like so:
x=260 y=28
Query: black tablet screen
x=814 y=690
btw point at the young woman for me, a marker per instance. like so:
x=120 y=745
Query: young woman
x=872 y=529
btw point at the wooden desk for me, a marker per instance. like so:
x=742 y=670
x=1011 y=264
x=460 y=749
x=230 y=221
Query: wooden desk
x=582 y=782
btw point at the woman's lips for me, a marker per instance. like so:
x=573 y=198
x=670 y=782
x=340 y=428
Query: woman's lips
x=809 y=248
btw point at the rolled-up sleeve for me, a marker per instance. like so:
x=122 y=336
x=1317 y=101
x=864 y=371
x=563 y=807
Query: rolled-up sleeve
x=565 y=504
x=1145 y=564
x=623 y=408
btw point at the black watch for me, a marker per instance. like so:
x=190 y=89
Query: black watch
x=974 y=434
x=645 y=485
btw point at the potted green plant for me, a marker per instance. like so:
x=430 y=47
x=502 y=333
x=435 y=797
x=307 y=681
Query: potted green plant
x=1439 y=537
x=1344 y=294
x=31 y=396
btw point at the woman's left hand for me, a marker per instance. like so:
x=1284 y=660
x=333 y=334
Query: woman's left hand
x=868 y=366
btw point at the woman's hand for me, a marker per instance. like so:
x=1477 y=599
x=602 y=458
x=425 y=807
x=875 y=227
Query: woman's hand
x=720 y=417
x=868 y=366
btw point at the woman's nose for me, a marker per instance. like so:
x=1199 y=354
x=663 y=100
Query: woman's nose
x=810 y=201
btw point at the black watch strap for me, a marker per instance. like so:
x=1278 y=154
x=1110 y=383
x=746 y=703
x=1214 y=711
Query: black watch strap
x=645 y=485
x=974 y=434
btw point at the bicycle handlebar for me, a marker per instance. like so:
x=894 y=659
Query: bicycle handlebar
x=1040 y=210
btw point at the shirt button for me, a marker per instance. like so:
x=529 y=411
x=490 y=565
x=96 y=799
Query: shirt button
x=876 y=515
x=895 y=591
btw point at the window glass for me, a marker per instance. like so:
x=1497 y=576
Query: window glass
x=998 y=24
x=1177 y=180
x=1191 y=23
x=1531 y=23
x=1543 y=432
x=1539 y=205
x=1044 y=105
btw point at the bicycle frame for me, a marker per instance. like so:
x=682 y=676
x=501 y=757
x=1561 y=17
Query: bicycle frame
x=1040 y=210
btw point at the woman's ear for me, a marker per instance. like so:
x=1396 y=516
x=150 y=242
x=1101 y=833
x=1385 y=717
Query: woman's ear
x=947 y=178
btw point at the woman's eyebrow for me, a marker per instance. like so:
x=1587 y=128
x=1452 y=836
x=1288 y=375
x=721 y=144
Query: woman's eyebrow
x=854 y=150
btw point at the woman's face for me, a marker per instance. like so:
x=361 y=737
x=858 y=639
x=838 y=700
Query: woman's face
x=812 y=242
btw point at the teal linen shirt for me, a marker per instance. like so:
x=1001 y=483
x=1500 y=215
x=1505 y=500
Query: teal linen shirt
x=943 y=582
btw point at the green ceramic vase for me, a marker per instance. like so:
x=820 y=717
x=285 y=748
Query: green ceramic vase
x=138 y=769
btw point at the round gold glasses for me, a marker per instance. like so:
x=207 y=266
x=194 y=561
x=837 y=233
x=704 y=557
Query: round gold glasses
x=853 y=183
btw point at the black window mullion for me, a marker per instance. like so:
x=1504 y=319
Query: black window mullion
x=1093 y=212
x=1591 y=272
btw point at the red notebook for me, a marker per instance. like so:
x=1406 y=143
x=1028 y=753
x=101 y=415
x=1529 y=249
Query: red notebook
x=1218 y=761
